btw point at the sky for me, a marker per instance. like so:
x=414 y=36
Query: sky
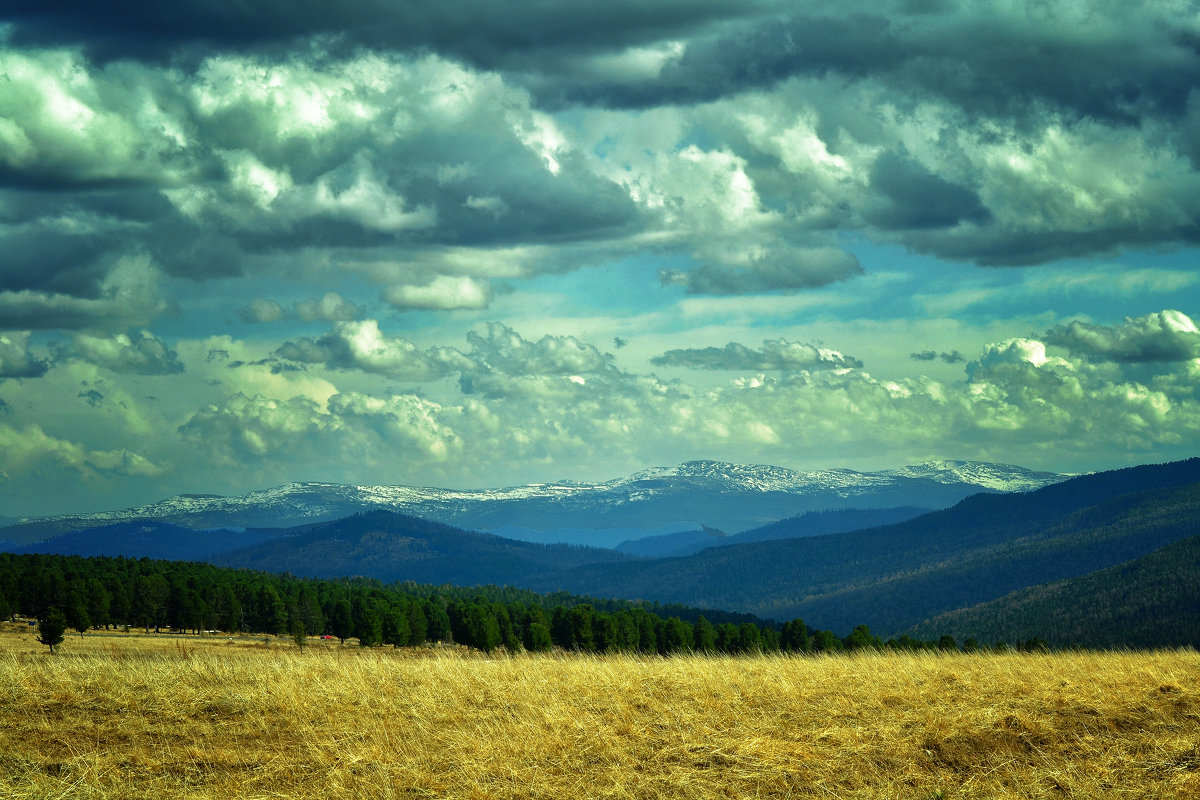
x=480 y=244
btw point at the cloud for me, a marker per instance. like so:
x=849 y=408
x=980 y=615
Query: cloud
x=443 y=293
x=1163 y=336
x=487 y=34
x=331 y=307
x=774 y=271
x=257 y=427
x=212 y=170
x=775 y=354
x=16 y=361
x=261 y=309
x=30 y=451
x=138 y=354
x=911 y=197
x=953 y=357
x=128 y=295
x=362 y=346
x=414 y=132
x=500 y=348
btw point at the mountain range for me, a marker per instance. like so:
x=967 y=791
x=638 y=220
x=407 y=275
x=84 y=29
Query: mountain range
x=1104 y=559
x=694 y=496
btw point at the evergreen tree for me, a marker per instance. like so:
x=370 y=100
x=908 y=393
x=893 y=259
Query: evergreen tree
x=560 y=628
x=272 y=611
x=794 y=637
x=826 y=642
x=396 y=631
x=77 y=615
x=480 y=627
x=299 y=634
x=98 y=603
x=605 y=634
x=308 y=611
x=580 y=618
x=341 y=621
x=436 y=621
x=368 y=622
x=727 y=637
x=705 y=635
x=749 y=638
x=51 y=627
x=537 y=638
x=674 y=636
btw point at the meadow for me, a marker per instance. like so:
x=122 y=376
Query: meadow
x=125 y=716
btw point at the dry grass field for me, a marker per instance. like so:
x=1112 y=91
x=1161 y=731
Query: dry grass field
x=169 y=717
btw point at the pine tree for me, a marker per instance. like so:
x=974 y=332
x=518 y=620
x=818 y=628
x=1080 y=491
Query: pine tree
x=51 y=628
x=705 y=635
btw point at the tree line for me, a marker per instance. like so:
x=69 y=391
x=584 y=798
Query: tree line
x=72 y=592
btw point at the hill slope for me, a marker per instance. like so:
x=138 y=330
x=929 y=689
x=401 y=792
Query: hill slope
x=895 y=576
x=394 y=547
x=1152 y=601
x=146 y=539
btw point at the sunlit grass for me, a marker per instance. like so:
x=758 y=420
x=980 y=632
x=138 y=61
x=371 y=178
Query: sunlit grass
x=164 y=716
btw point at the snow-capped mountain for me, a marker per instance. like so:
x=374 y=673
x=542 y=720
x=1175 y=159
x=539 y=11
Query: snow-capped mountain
x=727 y=497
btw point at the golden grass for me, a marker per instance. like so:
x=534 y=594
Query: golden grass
x=167 y=717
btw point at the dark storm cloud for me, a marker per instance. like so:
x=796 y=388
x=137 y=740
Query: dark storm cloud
x=1117 y=61
x=743 y=55
x=342 y=131
x=484 y=33
x=914 y=198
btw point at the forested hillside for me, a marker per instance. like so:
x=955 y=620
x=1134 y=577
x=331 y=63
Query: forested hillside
x=1153 y=601
x=896 y=576
x=391 y=547
x=176 y=596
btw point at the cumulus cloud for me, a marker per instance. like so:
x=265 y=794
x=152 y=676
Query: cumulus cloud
x=256 y=427
x=1161 y=336
x=775 y=354
x=443 y=293
x=363 y=346
x=16 y=361
x=539 y=404
x=760 y=130
x=141 y=353
x=500 y=348
x=31 y=451
x=261 y=309
x=331 y=307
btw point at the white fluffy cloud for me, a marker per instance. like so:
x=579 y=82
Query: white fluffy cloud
x=443 y=293
x=363 y=346
x=1163 y=336
x=32 y=455
x=141 y=353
